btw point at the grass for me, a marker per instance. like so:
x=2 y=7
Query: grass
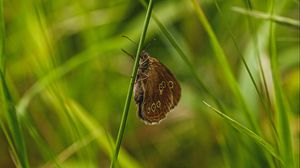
x=269 y=148
x=13 y=131
x=221 y=57
x=64 y=80
x=281 y=107
x=2 y=40
x=261 y=15
x=130 y=89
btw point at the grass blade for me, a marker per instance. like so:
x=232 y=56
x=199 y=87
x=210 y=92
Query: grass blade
x=242 y=129
x=2 y=37
x=130 y=89
x=277 y=19
x=103 y=139
x=14 y=137
x=61 y=71
x=221 y=57
x=14 y=125
x=281 y=105
x=183 y=56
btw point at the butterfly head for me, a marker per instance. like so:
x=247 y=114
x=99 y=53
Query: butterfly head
x=144 y=56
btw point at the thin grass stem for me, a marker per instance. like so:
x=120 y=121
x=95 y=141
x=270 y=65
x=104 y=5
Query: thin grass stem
x=241 y=128
x=281 y=105
x=15 y=137
x=277 y=19
x=221 y=57
x=14 y=125
x=183 y=56
x=130 y=89
x=2 y=37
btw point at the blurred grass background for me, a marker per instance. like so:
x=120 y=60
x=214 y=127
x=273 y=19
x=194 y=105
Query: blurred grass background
x=64 y=81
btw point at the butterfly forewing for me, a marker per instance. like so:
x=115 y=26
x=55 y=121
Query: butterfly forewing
x=160 y=92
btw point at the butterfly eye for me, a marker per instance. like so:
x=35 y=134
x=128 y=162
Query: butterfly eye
x=158 y=103
x=153 y=107
x=170 y=84
x=144 y=55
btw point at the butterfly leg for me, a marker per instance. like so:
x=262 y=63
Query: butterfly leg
x=143 y=77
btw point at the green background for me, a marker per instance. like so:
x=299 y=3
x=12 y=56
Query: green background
x=64 y=83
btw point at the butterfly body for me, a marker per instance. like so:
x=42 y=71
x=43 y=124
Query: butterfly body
x=156 y=90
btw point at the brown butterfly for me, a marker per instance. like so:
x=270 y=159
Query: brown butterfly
x=156 y=91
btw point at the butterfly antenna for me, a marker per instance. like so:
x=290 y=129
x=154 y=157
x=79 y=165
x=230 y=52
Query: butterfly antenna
x=149 y=43
x=130 y=39
x=127 y=53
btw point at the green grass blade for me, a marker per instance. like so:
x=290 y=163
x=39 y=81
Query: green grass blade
x=281 y=105
x=70 y=150
x=221 y=57
x=261 y=15
x=247 y=67
x=2 y=37
x=98 y=131
x=9 y=140
x=130 y=89
x=183 y=56
x=44 y=150
x=14 y=137
x=14 y=124
x=257 y=51
x=250 y=74
x=60 y=71
x=242 y=129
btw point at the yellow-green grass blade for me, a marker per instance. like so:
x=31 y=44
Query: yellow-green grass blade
x=15 y=129
x=99 y=132
x=14 y=134
x=183 y=55
x=262 y=15
x=2 y=36
x=244 y=130
x=282 y=108
x=224 y=65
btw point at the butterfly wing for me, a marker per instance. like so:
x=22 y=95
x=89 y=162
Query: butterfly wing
x=161 y=93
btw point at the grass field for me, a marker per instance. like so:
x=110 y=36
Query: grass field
x=66 y=87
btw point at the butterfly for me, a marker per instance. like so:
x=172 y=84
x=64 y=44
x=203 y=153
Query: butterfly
x=156 y=90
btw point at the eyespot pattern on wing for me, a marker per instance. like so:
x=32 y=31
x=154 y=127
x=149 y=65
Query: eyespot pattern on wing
x=161 y=92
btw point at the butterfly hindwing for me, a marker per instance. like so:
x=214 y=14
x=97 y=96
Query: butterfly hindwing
x=161 y=93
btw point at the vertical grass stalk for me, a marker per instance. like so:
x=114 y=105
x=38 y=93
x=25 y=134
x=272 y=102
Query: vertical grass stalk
x=183 y=56
x=281 y=105
x=2 y=37
x=14 y=133
x=244 y=130
x=130 y=89
x=221 y=57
